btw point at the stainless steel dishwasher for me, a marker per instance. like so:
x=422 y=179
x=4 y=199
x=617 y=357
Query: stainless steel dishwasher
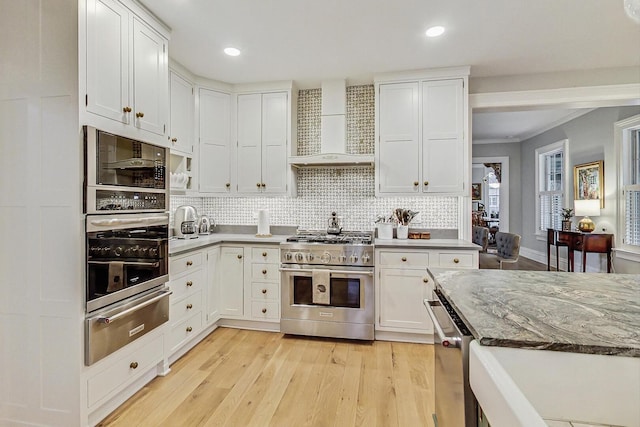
x=455 y=403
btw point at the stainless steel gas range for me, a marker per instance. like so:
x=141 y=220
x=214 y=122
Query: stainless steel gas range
x=327 y=285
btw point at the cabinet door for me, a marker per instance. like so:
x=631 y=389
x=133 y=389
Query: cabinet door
x=232 y=282
x=398 y=154
x=215 y=149
x=214 y=275
x=150 y=74
x=108 y=59
x=249 y=163
x=402 y=293
x=442 y=136
x=181 y=114
x=274 y=142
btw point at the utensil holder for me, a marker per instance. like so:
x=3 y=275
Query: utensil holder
x=385 y=231
x=402 y=232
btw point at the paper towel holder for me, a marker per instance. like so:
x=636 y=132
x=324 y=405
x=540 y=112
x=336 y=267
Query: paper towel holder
x=263 y=224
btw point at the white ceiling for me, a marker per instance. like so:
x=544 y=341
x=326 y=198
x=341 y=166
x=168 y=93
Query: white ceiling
x=308 y=41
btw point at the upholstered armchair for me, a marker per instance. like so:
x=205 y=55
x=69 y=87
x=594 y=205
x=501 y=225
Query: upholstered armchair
x=508 y=247
x=480 y=236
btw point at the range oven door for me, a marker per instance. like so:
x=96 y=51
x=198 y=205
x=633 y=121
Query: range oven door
x=328 y=294
x=126 y=255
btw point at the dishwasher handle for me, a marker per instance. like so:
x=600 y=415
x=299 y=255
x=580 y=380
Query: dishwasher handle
x=446 y=341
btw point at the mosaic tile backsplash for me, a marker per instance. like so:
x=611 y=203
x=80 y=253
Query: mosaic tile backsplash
x=349 y=192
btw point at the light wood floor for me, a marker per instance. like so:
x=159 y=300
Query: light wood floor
x=248 y=378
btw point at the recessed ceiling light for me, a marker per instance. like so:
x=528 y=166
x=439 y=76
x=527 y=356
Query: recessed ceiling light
x=232 y=51
x=435 y=31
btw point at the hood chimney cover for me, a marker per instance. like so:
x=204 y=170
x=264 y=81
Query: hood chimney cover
x=332 y=119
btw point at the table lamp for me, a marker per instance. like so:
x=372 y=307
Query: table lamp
x=587 y=208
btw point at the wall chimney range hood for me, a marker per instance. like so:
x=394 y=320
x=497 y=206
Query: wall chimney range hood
x=333 y=131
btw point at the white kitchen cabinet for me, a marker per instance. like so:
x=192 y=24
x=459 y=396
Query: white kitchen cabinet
x=402 y=284
x=214 y=275
x=181 y=104
x=262 y=287
x=215 y=144
x=421 y=144
x=262 y=132
x=232 y=281
x=126 y=71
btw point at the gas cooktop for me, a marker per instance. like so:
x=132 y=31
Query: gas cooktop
x=344 y=238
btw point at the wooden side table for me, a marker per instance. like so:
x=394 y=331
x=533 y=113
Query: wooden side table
x=578 y=241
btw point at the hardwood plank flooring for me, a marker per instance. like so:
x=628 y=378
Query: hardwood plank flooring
x=243 y=378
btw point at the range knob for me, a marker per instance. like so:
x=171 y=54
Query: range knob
x=365 y=258
x=342 y=258
x=153 y=252
x=118 y=251
x=143 y=251
x=105 y=250
x=326 y=258
x=310 y=257
x=288 y=256
x=94 y=250
x=299 y=257
x=128 y=252
x=353 y=258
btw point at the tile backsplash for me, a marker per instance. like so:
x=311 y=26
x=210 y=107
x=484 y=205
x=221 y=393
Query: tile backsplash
x=349 y=191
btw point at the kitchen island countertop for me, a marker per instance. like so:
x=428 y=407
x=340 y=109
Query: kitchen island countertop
x=594 y=313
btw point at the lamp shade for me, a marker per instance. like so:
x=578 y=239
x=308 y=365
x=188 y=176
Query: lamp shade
x=587 y=207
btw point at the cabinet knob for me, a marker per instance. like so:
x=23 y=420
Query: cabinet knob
x=189 y=306
x=263 y=185
x=139 y=114
x=264 y=254
x=133 y=365
x=189 y=263
x=264 y=310
x=426 y=183
x=264 y=291
x=189 y=283
x=228 y=184
x=415 y=183
x=425 y=279
x=258 y=184
x=126 y=109
x=404 y=258
x=264 y=271
x=174 y=140
x=239 y=256
x=456 y=260
x=189 y=329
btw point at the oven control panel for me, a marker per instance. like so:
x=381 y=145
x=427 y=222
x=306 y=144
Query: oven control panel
x=316 y=254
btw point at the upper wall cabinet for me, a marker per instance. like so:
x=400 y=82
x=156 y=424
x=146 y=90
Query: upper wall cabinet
x=215 y=142
x=181 y=103
x=126 y=71
x=422 y=145
x=262 y=150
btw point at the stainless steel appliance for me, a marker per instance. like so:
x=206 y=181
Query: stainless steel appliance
x=127 y=268
x=205 y=225
x=185 y=222
x=455 y=403
x=327 y=285
x=122 y=174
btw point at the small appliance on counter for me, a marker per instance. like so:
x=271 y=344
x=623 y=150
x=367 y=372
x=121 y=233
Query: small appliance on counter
x=205 y=225
x=185 y=222
x=334 y=226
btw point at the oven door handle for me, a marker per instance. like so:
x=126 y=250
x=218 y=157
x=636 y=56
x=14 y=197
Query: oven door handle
x=140 y=264
x=444 y=339
x=126 y=221
x=358 y=273
x=109 y=319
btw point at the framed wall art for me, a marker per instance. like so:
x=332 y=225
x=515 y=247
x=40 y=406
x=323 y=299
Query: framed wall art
x=476 y=191
x=588 y=182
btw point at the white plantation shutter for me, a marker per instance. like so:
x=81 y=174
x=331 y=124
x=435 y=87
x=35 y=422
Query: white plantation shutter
x=632 y=217
x=551 y=204
x=631 y=190
x=550 y=177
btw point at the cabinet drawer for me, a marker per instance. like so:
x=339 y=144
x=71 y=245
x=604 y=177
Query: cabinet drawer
x=185 y=307
x=267 y=272
x=265 y=291
x=265 y=255
x=186 y=284
x=265 y=310
x=182 y=331
x=456 y=260
x=404 y=259
x=124 y=370
x=184 y=263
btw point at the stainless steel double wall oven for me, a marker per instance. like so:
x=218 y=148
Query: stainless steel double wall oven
x=127 y=236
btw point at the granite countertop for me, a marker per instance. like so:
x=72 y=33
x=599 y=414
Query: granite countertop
x=595 y=313
x=180 y=246
x=426 y=244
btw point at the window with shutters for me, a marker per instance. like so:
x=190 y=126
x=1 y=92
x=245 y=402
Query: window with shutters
x=551 y=182
x=627 y=140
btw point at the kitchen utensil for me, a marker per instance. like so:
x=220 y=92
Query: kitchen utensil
x=185 y=222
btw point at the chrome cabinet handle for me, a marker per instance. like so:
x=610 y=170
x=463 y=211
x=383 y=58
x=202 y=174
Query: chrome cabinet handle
x=110 y=319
